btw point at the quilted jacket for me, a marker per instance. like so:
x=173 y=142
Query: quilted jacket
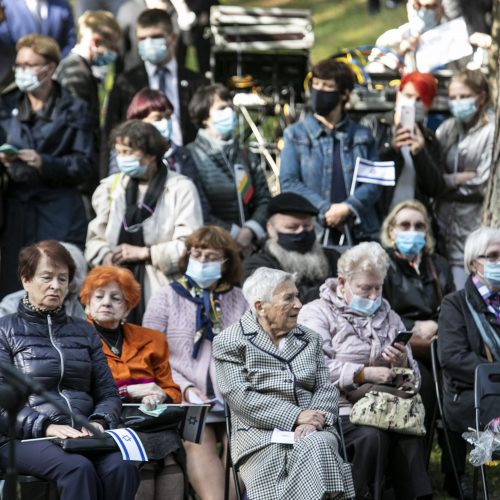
x=64 y=355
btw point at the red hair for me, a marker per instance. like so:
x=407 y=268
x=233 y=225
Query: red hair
x=146 y=101
x=101 y=276
x=425 y=85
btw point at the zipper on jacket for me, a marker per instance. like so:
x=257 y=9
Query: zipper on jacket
x=49 y=323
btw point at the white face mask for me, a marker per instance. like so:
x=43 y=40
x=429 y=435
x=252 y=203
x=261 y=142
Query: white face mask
x=27 y=79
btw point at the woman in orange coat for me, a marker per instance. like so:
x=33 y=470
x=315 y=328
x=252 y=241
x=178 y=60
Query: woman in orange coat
x=139 y=361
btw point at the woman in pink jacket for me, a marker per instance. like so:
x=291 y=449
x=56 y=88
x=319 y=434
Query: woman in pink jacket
x=190 y=311
x=358 y=328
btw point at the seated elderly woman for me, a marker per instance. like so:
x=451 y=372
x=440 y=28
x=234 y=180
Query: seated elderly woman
x=138 y=359
x=189 y=312
x=72 y=303
x=272 y=373
x=64 y=355
x=358 y=328
x=469 y=333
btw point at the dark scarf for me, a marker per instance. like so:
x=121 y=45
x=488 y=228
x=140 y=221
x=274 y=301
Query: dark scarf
x=135 y=215
x=208 y=308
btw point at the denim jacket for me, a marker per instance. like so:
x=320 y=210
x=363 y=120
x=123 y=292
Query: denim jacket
x=307 y=165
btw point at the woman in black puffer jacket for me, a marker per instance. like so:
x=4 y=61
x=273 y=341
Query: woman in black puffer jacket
x=64 y=355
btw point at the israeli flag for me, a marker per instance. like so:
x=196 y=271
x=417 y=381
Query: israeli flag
x=194 y=423
x=382 y=173
x=129 y=443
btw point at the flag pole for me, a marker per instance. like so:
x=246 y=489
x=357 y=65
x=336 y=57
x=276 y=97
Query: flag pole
x=351 y=192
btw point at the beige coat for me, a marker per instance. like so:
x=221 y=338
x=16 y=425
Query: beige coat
x=177 y=215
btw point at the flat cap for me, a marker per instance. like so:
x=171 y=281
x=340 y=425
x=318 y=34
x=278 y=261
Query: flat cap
x=291 y=203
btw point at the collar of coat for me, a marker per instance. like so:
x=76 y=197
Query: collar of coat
x=296 y=340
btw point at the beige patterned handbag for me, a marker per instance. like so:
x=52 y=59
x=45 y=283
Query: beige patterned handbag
x=399 y=410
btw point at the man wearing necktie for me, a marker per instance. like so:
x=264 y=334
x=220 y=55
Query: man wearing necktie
x=158 y=70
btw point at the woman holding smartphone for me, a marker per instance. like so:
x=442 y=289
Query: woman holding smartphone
x=359 y=328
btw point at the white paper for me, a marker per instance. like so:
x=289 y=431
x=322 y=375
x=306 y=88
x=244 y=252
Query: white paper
x=282 y=437
x=441 y=45
x=129 y=443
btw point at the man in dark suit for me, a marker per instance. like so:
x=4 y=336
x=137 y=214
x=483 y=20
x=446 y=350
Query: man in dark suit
x=159 y=70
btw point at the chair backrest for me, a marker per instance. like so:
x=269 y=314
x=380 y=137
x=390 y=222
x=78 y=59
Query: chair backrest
x=486 y=382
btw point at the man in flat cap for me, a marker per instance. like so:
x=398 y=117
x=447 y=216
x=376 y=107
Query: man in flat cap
x=292 y=247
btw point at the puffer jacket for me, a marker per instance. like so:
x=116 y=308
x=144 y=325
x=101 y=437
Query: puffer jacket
x=64 y=355
x=217 y=169
x=351 y=341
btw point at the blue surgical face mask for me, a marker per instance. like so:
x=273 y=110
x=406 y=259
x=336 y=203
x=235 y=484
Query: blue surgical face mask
x=164 y=126
x=491 y=273
x=463 y=109
x=131 y=165
x=224 y=121
x=153 y=50
x=205 y=274
x=410 y=243
x=26 y=79
x=422 y=20
x=364 y=306
x=107 y=57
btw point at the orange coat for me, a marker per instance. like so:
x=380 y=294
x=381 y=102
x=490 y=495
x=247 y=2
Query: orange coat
x=145 y=354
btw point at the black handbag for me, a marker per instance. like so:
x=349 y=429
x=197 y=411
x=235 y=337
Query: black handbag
x=168 y=420
x=87 y=444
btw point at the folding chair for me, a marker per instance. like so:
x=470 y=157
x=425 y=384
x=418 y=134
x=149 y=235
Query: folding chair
x=486 y=383
x=439 y=398
x=229 y=461
x=48 y=489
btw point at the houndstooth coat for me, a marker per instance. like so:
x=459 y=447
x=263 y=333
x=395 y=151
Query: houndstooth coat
x=267 y=388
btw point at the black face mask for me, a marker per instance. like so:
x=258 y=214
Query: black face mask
x=297 y=242
x=323 y=103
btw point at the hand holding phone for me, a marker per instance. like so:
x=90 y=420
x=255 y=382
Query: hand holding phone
x=402 y=337
x=9 y=150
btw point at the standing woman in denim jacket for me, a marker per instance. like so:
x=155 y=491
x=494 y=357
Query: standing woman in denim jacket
x=320 y=152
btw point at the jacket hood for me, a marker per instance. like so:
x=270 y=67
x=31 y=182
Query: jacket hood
x=328 y=293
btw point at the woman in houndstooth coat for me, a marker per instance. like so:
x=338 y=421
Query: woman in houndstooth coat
x=272 y=373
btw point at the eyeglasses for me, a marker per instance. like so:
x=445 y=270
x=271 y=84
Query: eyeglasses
x=206 y=256
x=491 y=257
x=408 y=226
x=28 y=66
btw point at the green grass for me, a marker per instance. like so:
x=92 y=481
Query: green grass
x=337 y=23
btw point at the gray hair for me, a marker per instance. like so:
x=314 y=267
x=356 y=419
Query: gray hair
x=262 y=284
x=477 y=242
x=80 y=267
x=365 y=257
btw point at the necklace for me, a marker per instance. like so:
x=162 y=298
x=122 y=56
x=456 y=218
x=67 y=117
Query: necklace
x=114 y=348
x=107 y=335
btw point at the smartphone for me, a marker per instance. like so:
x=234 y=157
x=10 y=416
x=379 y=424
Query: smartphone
x=402 y=337
x=407 y=117
x=8 y=149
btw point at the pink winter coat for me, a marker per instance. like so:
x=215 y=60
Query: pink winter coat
x=351 y=341
x=175 y=316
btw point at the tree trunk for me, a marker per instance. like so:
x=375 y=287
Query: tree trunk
x=491 y=207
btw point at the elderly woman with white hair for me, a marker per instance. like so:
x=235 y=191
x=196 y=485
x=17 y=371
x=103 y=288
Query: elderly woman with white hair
x=469 y=334
x=272 y=373
x=358 y=328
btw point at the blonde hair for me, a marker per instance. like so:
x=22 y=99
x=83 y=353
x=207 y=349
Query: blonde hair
x=100 y=22
x=367 y=257
x=42 y=45
x=390 y=222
